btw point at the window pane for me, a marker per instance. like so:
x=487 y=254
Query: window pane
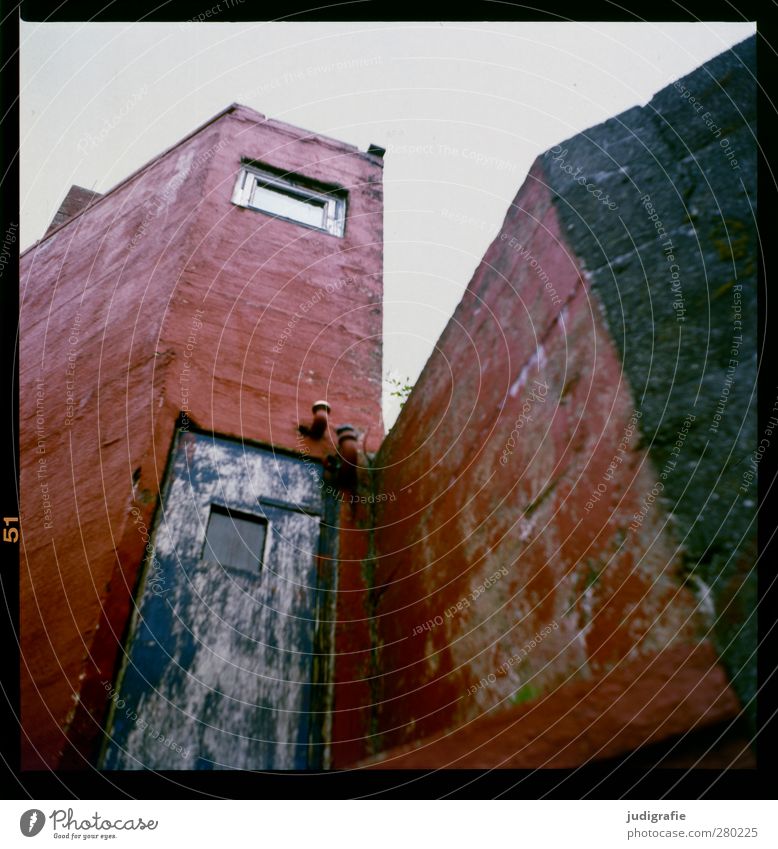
x=236 y=542
x=279 y=203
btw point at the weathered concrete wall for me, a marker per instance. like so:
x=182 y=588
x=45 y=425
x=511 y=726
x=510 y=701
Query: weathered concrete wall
x=93 y=299
x=537 y=544
x=676 y=274
x=636 y=705
x=181 y=297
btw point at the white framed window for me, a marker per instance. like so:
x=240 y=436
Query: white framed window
x=291 y=197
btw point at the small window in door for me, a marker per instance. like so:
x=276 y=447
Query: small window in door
x=235 y=540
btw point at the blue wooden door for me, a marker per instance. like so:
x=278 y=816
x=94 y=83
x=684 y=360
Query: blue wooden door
x=219 y=661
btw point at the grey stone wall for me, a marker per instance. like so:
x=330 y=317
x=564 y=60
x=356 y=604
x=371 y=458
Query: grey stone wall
x=659 y=204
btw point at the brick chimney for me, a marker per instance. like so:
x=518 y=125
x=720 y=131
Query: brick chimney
x=76 y=200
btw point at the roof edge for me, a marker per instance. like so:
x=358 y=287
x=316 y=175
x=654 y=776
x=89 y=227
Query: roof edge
x=293 y=129
x=137 y=172
x=234 y=107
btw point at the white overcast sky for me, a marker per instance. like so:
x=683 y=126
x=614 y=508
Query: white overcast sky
x=462 y=108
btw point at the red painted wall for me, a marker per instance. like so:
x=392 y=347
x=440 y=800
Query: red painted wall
x=180 y=297
x=505 y=581
x=355 y=661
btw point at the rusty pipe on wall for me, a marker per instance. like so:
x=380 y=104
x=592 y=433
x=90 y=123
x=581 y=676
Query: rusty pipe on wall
x=348 y=455
x=321 y=416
